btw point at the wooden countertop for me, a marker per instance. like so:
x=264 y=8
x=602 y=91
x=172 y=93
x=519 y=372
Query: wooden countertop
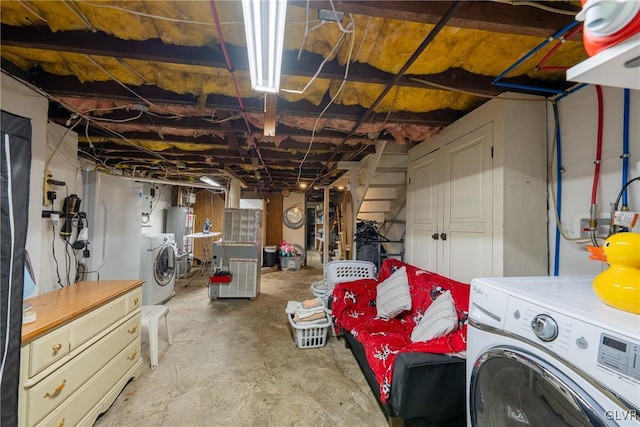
x=58 y=307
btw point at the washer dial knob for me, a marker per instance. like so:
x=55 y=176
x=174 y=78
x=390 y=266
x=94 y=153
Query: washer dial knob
x=544 y=327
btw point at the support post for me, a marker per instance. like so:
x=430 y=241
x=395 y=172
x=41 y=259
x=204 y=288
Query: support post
x=325 y=228
x=234 y=193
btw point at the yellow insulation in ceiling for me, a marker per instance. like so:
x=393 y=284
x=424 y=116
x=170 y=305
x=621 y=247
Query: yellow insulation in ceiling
x=476 y=51
x=166 y=145
x=177 y=78
x=382 y=43
x=161 y=146
x=314 y=93
x=405 y=98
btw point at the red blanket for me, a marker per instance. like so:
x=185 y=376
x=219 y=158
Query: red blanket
x=354 y=308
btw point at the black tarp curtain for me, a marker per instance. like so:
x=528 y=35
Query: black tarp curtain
x=15 y=169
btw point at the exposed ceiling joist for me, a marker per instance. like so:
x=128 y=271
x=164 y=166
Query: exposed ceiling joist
x=501 y=17
x=176 y=116
x=155 y=50
x=67 y=86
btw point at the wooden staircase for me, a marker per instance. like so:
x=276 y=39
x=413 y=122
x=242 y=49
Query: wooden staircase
x=380 y=186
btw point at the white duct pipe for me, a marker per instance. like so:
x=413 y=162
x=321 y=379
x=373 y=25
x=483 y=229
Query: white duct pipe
x=176 y=183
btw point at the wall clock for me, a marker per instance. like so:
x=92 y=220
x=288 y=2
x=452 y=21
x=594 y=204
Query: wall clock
x=293 y=217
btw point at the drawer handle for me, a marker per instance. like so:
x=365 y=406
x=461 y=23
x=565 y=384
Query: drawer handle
x=132 y=329
x=133 y=355
x=135 y=300
x=56 y=391
x=56 y=348
x=61 y=423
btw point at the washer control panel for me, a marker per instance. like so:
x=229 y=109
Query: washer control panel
x=610 y=358
x=561 y=321
x=619 y=355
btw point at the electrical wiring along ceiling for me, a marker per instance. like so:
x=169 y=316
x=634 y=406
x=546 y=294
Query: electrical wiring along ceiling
x=147 y=89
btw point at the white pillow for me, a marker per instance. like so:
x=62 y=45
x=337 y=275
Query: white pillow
x=440 y=319
x=392 y=295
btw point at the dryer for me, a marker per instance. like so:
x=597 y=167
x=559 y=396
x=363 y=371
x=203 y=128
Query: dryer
x=157 y=267
x=545 y=351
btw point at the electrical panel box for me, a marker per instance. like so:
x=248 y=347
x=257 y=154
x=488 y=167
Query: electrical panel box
x=147 y=198
x=187 y=198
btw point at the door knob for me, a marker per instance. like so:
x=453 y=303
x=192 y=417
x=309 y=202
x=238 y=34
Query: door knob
x=443 y=236
x=435 y=236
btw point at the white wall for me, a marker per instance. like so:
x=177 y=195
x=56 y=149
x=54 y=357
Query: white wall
x=294 y=235
x=578 y=123
x=53 y=148
x=156 y=207
x=22 y=101
x=61 y=160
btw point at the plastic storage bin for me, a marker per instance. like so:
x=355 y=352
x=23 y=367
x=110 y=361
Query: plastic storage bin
x=290 y=263
x=309 y=336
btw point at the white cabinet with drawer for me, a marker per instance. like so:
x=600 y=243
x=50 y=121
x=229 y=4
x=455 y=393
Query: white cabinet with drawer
x=47 y=350
x=80 y=353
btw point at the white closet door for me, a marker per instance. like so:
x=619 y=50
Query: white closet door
x=424 y=199
x=467 y=186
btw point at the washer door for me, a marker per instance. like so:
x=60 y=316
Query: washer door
x=511 y=388
x=164 y=265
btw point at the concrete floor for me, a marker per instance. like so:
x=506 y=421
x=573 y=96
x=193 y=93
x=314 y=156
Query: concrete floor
x=233 y=362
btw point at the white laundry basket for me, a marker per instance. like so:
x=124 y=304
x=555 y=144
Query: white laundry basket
x=310 y=336
x=348 y=271
x=344 y=271
x=320 y=288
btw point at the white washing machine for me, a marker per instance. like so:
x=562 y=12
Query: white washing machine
x=545 y=351
x=157 y=267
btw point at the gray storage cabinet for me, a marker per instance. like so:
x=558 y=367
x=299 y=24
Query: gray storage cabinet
x=242 y=261
x=239 y=253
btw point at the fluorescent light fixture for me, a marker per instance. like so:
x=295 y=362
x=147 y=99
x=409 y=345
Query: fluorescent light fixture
x=264 y=27
x=209 y=181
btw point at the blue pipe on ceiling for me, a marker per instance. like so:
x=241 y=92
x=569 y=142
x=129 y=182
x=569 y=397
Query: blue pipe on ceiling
x=497 y=81
x=530 y=88
x=570 y=91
